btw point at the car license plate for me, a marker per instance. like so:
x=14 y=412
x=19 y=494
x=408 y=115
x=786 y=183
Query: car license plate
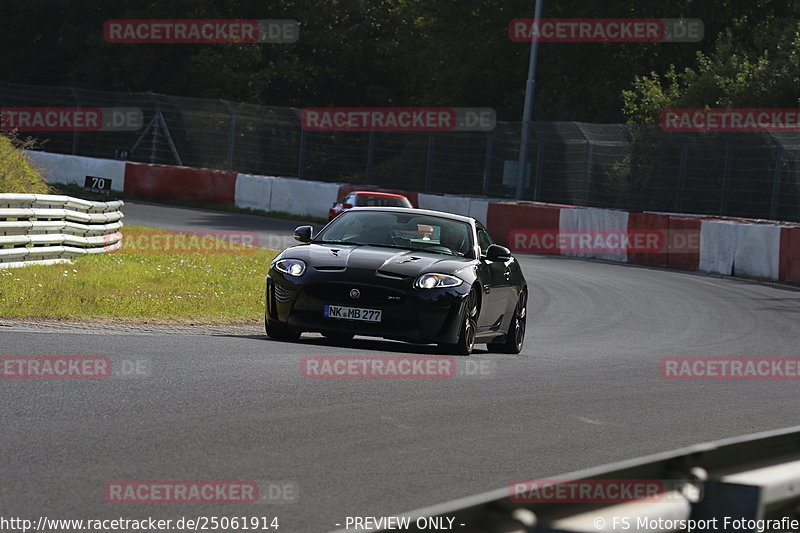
x=352 y=313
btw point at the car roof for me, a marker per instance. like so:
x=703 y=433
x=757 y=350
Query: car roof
x=379 y=194
x=407 y=210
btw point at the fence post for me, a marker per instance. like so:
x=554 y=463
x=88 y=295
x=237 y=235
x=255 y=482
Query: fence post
x=231 y=131
x=587 y=179
x=370 y=150
x=428 y=167
x=302 y=155
x=487 y=166
x=75 y=131
x=776 y=184
x=537 y=179
x=633 y=189
x=681 y=175
x=726 y=174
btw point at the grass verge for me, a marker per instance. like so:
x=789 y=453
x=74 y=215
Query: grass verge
x=17 y=174
x=171 y=285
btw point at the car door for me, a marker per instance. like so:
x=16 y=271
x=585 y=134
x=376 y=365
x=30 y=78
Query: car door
x=490 y=276
x=501 y=280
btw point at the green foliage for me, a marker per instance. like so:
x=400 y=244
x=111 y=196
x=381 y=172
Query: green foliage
x=17 y=175
x=754 y=63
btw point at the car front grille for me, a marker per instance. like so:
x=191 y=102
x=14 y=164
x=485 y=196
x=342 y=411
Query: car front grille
x=339 y=293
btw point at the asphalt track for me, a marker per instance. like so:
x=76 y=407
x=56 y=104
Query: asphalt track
x=585 y=391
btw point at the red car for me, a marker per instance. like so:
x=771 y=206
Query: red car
x=367 y=199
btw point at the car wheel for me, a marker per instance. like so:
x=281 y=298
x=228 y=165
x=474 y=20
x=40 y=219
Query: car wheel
x=469 y=324
x=337 y=335
x=278 y=331
x=515 y=337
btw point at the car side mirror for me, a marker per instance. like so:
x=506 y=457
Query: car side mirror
x=495 y=252
x=347 y=206
x=303 y=233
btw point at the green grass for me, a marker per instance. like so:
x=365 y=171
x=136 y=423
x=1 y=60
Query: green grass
x=161 y=286
x=78 y=192
x=17 y=174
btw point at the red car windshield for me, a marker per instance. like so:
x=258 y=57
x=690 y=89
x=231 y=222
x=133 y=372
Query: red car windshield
x=381 y=201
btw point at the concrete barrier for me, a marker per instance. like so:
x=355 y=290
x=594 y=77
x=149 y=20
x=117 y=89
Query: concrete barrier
x=253 y=192
x=504 y=219
x=718 y=240
x=694 y=242
x=647 y=223
x=684 y=243
x=758 y=249
x=594 y=222
x=73 y=169
x=171 y=182
x=302 y=197
x=790 y=254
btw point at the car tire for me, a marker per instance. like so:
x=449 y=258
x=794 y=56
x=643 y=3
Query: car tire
x=276 y=330
x=515 y=337
x=469 y=326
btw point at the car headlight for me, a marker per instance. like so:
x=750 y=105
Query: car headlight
x=437 y=281
x=293 y=267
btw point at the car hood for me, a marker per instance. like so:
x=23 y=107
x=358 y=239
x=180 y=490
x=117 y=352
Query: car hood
x=375 y=258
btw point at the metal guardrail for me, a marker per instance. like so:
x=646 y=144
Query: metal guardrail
x=750 y=479
x=49 y=229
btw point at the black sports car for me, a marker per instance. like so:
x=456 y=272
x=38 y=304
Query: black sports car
x=406 y=274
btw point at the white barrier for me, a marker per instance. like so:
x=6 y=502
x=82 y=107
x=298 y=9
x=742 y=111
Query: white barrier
x=287 y=195
x=459 y=205
x=718 y=246
x=758 y=249
x=594 y=222
x=48 y=229
x=302 y=197
x=253 y=192
x=73 y=169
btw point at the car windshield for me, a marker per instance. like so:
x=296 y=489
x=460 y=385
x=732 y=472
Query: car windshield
x=399 y=230
x=380 y=201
